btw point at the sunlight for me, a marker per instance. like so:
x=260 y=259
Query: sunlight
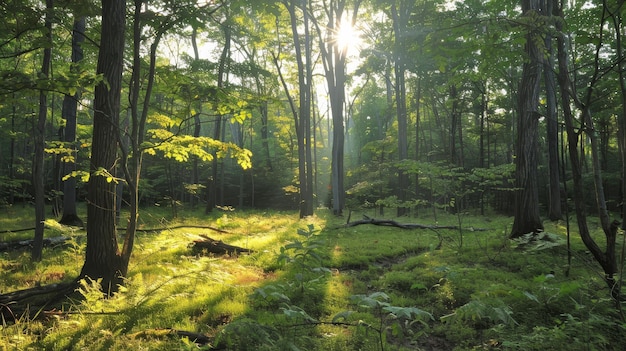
x=347 y=36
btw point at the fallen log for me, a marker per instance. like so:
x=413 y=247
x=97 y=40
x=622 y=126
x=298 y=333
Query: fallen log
x=29 y=303
x=392 y=223
x=28 y=244
x=219 y=247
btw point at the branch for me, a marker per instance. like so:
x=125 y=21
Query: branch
x=392 y=223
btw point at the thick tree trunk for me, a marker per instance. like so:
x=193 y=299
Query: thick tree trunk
x=40 y=140
x=527 y=219
x=102 y=259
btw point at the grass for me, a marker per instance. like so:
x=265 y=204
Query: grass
x=313 y=284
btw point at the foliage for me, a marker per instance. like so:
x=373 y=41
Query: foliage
x=335 y=288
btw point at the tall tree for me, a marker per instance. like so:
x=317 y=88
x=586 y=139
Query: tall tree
x=102 y=257
x=68 y=113
x=552 y=127
x=399 y=14
x=334 y=58
x=222 y=79
x=527 y=218
x=40 y=139
x=301 y=112
x=576 y=129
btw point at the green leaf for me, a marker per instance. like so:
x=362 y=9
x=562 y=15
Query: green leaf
x=342 y=316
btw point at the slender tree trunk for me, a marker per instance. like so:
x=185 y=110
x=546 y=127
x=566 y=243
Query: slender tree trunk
x=69 y=110
x=527 y=219
x=305 y=114
x=302 y=114
x=197 y=126
x=222 y=74
x=40 y=140
x=335 y=72
x=399 y=18
x=621 y=136
x=606 y=258
x=554 y=210
x=418 y=106
x=101 y=256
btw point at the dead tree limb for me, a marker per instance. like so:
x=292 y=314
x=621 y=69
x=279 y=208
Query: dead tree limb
x=392 y=223
x=27 y=244
x=216 y=247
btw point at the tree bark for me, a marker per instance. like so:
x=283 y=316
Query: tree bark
x=527 y=219
x=302 y=116
x=102 y=260
x=334 y=59
x=554 y=205
x=70 y=104
x=222 y=73
x=399 y=25
x=606 y=258
x=40 y=140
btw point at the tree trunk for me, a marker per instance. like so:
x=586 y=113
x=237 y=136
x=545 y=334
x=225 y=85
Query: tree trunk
x=621 y=135
x=101 y=257
x=334 y=58
x=70 y=104
x=197 y=126
x=305 y=116
x=40 y=141
x=302 y=115
x=399 y=18
x=554 y=206
x=222 y=73
x=527 y=219
x=607 y=258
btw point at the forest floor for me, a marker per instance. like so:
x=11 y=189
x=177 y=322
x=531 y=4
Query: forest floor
x=317 y=284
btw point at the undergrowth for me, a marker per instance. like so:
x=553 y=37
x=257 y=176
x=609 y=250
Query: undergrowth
x=314 y=284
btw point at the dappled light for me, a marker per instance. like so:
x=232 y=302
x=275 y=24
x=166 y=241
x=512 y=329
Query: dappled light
x=312 y=175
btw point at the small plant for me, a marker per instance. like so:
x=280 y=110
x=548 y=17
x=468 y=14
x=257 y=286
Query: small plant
x=394 y=319
x=305 y=255
x=482 y=314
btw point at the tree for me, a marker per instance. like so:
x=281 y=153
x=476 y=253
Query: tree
x=70 y=104
x=552 y=127
x=102 y=258
x=334 y=59
x=40 y=139
x=569 y=93
x=302 y=112
x=527 y=218
x=399 y=14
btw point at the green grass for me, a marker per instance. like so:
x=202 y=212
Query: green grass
x=333 y=288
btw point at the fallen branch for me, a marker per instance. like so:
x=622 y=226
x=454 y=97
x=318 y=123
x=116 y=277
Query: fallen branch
x=180 y=227
x=138 y=229
x=392 y=223
x=30 y=303
x=216 y=246
x=27 y=244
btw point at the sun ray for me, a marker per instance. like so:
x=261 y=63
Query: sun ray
x=347 y=36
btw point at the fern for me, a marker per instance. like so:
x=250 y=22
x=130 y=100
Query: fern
x=479 y=311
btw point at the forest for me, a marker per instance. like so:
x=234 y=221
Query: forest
x=312 y=174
